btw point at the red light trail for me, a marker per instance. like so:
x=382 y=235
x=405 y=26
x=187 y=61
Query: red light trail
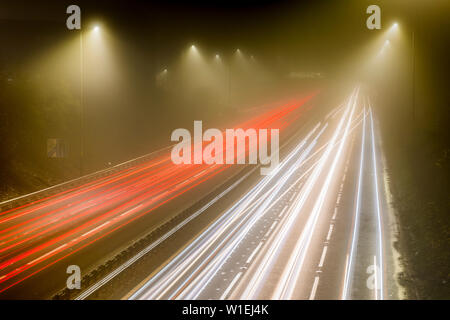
x=39 y=234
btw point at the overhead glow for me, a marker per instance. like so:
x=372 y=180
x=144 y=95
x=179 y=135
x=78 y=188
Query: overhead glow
x=383 y=48
x=393 y=29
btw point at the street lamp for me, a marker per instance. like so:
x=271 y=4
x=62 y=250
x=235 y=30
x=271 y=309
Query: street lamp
x=96 y=29
x=81 y=104
x=393 y=28
x=413 y=67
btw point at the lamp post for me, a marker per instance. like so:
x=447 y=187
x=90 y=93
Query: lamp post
x=82 y=103
x=413 y=72
x=413 y=84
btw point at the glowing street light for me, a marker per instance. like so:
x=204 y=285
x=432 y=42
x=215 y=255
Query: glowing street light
x=217 y=58
x=393 y=28
x=96 y=30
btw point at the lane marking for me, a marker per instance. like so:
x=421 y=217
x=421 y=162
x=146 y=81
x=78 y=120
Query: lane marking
x=254 y=253
x=329 y=232
x=335 y=213
x=322 y=258
x=282 y=211
x=270 y=229
x=227 y=291
x=314 y=288
x=45 y=255
x=292 y=197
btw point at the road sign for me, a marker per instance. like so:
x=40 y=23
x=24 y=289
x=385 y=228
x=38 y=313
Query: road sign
x=56 y=148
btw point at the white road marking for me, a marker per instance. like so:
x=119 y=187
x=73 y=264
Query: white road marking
x=314 y=288
x=322 y=258
x=335 y=213
x=254 y=252
x=270 y=229
x=329 y=232
x=292 y=197
x=48 y=253
x=227 y=291
x=282 y=211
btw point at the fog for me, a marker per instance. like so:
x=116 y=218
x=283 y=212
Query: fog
x=152 y=67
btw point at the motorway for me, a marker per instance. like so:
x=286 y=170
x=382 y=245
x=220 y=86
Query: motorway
x=316 y=228
x=88 y=224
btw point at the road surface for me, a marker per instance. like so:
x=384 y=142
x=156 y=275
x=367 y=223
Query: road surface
x=317 y=228
x=86 y=225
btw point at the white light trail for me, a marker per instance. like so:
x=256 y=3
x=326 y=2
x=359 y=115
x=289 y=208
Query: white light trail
x=270 y=257
x=288 y=281
x=378 y=211
x=349 y=268
x=196 y=286
x=162 y=283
